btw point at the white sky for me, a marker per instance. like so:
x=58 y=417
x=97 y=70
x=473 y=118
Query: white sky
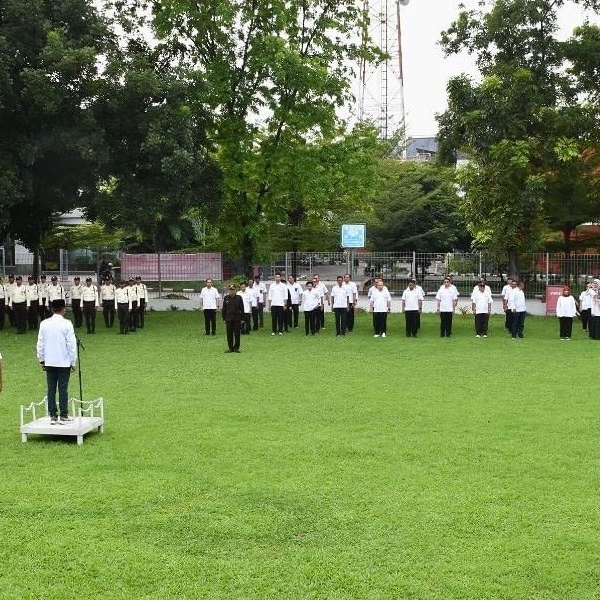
x=426 y=71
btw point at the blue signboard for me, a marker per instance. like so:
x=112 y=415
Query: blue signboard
x=354 y=235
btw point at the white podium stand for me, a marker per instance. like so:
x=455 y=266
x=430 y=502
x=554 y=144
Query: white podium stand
x=89 y=415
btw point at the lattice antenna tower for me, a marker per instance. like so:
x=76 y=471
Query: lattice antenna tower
x=380 y=96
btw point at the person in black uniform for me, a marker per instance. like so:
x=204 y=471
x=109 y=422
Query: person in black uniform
x=233 y=315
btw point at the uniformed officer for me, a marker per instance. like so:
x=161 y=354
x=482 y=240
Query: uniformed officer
x=18 y=304
x=76 y=306
x=123 y=306
x=89 y=297
x=107 y=298
x=133 y=311
x=33 y=303
x=142 y=292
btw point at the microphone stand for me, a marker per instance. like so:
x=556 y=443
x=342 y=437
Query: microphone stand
x=79 y=345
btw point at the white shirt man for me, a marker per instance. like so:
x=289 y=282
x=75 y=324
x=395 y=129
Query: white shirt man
x=322 y=289
x=295 y=290
x=340 y=301
x=352 y=292
x=210 y=303
x=411 y=306
x=481 y=304
x=277 y=303
x=55 y=290
x=447 y=299
x=380 y=305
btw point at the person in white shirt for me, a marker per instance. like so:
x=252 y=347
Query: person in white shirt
x=594 y=324
x=380 y=305
x=209 y=303
x=278 y=297
x=586 y=299
x=122 y=306
x=295 y=300
x=311 y=302
x=322 y=289
x=566 y=311
x=518 y=308
x=33 y=303
x=55 y=291
x=481 y=305
x=246 y=295
x=76 y=306
x=44 y=306
x=10 y=284
x=133 y=312
x=352 y=292
x=57 y=355
x=261 y=291
x=142 y=294
x=17 y=302
x=107 y=301
x=447 y=299
x=89 y=298
x=3 y=301
x=411 y=306
x=339 y=300
x=253 y=295
x=510 y=284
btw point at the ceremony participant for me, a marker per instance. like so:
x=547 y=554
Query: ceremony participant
x=44 y=306
x=55 y=292
x=566 y=311
x=518 y=309
x=380 y=305
x=352 y=292
x=322 y=289
x=233 y=314
x=506 y=289
x=277 y=302
x=482 y=280
x=253 y=294
x=339 y=298
x=0 y=371
x=89 y=298
x=209 y=304
x=481 y=305
x=586 y=299
x=594 y=324
x=142 y=293
x=76 y=306
x=247 y=299
x=9 y=288
x=311 y=300
x=18 y=304
x=107 y=301
x=447 y=299
x=122 y=306
x=261 y=291
x=295 y=290
x=33 y=303
x=412 y=306
x=133 y=311
x=57 y=354
x=3 y=301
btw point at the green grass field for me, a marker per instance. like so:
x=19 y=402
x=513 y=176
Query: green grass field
x=319 y=467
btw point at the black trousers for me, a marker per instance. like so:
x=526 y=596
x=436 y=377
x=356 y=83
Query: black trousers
x=586 y=315
x=380 y=322
x=446 y=323
x=233 y=329
x=20 y=316
x=255 y=318
x=32 y=316
x=565 y=326
x=292 y=316
x=77 y=312
x=261 y=311
x=2 y=313
x=133 y=316
x=141 y=312
x=481 y=323
x=412 y=322
x=210 y=321
x=123 y=315
x=246 y=327
x=517 y=324
x=277 y=319
x=89 y=312
x=350 y=318
x=108 y=312
x=310 y=321
x=340 y=321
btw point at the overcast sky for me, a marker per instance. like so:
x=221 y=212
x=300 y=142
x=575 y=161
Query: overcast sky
x=426 y=71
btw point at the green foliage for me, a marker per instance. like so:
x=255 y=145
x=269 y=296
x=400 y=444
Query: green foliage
x=417 y=210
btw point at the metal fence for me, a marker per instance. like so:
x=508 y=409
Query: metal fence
x=537 y=270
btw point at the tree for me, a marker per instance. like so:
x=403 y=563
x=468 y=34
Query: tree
x=515 y=124
x=50 y=145
x=161 y=179
x=275 y=74
x=418 y=211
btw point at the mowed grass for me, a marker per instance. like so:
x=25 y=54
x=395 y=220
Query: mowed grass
x=348 y=468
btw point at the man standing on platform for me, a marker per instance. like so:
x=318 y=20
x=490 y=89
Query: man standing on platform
x=57 y=354
x=233 y=314
x=209 y=303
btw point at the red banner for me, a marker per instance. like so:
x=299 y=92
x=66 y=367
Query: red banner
x=173 y=267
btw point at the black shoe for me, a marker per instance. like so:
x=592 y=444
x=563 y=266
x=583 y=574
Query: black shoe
x=228 y=351
x=236 y=350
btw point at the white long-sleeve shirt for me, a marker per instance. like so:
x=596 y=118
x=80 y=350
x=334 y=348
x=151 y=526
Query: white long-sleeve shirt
x=56 y=344
x=565 y=306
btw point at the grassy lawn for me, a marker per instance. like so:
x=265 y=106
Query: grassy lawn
x=319 y=467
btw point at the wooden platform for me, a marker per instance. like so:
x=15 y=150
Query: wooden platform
x=89 y=416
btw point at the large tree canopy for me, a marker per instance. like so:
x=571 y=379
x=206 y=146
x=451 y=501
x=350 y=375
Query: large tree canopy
x=523 y=125
x=50 y=143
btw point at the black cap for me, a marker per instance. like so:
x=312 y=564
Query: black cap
x=54 y=278
x=18 y=277
x=131 y=279
x=138 y=277
x=31 y=278
x=76 y=279
x=88 y=278
x=42 y=277
x=11 y=275
x=58 y=304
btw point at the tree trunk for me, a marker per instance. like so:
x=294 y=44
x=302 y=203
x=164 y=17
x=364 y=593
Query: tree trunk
x=513 y=263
